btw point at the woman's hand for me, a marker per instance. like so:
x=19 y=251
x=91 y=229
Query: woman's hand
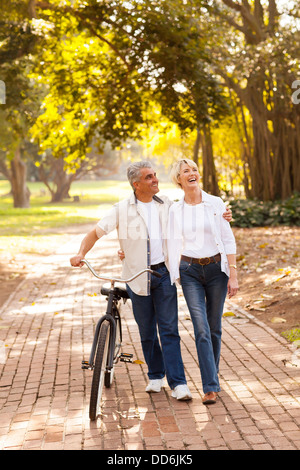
x=228 y=214
x=233 y=286
x=121 y=254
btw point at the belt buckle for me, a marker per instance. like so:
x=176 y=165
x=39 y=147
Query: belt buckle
x=204 y=263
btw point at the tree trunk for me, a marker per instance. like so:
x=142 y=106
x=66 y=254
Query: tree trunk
x=197 y=147
x=62 y=181
x=60 y=187
x=62 y=191
x=245 y=144
x=275 y=161
x=20 y=191
x=262 y=164
x=210 y=180
x=286 y=150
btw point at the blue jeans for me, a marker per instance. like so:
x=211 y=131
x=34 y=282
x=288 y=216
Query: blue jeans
x=205 y=289
x=160 y=309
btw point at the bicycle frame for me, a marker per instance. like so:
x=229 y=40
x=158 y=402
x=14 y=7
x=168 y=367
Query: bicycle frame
x=113 y=298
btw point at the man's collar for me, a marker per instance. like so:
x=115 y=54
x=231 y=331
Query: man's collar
x=157 y=199
x=134 y=200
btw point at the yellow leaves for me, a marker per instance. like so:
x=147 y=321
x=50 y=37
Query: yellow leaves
x=255 y=307
x=263 y=245
x=228 y=314
x=285 y=272
x=138 y=361
x=266 y=296
x=262 y=303
x=278 y=320
x=164 y=141
x=92 y=295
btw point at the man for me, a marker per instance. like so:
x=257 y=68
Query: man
x=141 y=221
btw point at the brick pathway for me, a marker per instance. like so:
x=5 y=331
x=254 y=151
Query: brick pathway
x=46 y=330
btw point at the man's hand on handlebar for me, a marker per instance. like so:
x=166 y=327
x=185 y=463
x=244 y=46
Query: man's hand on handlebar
x=76 y=261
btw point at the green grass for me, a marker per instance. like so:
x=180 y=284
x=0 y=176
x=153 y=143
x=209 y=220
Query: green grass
x=28 y=230
x=95 y=197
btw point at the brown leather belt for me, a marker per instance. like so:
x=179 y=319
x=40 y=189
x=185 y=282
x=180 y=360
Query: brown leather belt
x=154 y=267
x=202 y=261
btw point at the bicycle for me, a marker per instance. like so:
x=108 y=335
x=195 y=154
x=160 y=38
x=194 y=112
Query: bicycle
x=105 y=352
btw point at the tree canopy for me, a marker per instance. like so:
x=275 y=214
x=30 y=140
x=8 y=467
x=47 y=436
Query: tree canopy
x=101 y=68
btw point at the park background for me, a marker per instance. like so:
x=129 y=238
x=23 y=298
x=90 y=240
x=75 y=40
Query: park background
x=90 y=86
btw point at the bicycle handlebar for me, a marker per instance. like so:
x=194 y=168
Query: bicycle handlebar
x=112 y=279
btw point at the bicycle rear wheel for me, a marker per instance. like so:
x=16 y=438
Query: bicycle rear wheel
x=101 y=359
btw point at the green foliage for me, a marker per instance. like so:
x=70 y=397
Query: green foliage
x=292 y=335
x=104 y=63
x=254 y=213
x=83 y=73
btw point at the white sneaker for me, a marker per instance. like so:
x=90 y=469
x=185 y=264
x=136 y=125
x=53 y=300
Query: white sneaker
x=182 y=392
x=155 y=385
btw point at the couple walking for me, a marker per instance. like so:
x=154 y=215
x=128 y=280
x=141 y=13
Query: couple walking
x=189 y=240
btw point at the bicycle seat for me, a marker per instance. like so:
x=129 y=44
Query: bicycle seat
x=119 y=289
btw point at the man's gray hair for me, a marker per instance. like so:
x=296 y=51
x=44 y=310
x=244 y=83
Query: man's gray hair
x=134 y=171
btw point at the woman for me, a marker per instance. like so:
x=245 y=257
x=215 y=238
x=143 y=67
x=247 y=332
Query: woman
x=202 y=253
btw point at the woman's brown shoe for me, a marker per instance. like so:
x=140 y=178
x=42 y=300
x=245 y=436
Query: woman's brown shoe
x=210 y=398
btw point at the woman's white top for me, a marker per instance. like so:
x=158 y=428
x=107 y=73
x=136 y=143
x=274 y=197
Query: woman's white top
x=199 y=231
x=198 y=236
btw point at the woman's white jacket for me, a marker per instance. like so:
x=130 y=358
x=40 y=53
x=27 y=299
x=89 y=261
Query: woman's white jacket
x=221 y=230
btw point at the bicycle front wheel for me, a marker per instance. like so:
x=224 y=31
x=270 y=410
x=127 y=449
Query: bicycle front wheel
x=99 y=370
x=109 y=374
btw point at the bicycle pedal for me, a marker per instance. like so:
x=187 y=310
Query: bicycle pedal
x=85 y=365
x=125 y=357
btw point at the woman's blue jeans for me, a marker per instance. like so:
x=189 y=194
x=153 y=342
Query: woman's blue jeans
x=205 y=289
x=160 y=310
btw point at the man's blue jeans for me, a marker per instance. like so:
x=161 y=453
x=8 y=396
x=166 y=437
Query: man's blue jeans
x=205 y=289
x=160 y=309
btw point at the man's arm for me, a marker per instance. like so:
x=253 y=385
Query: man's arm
x=86 y=245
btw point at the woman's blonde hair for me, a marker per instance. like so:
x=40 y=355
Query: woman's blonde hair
x=175 y=172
